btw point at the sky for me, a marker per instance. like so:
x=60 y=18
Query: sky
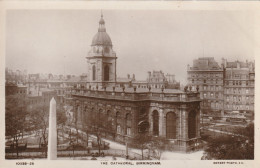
x=57 y=41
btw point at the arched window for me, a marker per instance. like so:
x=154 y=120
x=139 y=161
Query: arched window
x=109 y=120
x=171 y=125
x=155 y=123
x=92 y=116
x=106 y=50
x=128 y=124
x=118 y=123
x=192 y=124
x=93 y=72
x=85 y=115
x=143 y=126
x=106 y=73
x=100 y=118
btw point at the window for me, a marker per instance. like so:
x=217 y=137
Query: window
x=109 y=120
x=171 y=125
x=204 y=81
x=93 y=72
x=155 y=123
x=143 y=127
x=205 y=95
x=128 y=124
x=227 y=98
x=216 y=105
x=106 y=50
x=205 y=87
x=247 y=107
x=247 y=91
x=106 y=73
x=211 y=94
x=118 y=123
x=118 y=129
x=128 y=131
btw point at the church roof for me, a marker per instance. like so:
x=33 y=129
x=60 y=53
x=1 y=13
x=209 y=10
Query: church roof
x=101 y=37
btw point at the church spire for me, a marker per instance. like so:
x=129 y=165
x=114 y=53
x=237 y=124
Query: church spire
x=102 y=27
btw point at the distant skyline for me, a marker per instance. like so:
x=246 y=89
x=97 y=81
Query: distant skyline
x=57 y=41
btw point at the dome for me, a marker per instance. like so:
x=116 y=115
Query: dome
x=101 y=38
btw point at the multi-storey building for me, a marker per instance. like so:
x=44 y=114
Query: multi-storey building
x=207 y=76
x=239 y=85
x=224 y=89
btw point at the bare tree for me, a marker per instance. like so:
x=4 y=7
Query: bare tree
x=142 y=142
x=39 y=117
x=15 y=120
x=158 y=146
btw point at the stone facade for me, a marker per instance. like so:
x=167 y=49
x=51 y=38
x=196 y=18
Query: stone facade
x=119 y=114
x=239 y=87
x=207 y=76
x=101 y=59
x=120 y=110
x=223 y=89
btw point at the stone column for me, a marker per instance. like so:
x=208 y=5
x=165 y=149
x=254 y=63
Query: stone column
x=198 y=123
x=150 y=118
x=52 y=137
x=162 y=124
x=184 y=122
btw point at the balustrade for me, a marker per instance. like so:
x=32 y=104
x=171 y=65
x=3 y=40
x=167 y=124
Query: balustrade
x=136 y=96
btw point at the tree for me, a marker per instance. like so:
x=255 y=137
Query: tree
x=158 y=146
x=238 y=146
x=142 y=142
x=16 y=122
x=39 y=118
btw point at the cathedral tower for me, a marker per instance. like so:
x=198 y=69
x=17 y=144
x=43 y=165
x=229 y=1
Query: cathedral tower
x=101 y=59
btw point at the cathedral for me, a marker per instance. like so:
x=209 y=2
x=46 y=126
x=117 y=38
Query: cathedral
x=122 y=113
x=101 y=59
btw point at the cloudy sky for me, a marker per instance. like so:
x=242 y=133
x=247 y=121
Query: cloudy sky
x=57 y=41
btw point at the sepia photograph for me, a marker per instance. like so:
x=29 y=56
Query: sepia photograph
x=129 y=86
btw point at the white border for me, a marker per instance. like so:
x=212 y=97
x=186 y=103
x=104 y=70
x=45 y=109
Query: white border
x=127 y=5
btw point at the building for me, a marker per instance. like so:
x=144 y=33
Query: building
x=101 y=59
x=239 y=83
x=223 y=89
x=155 y=79
x=18 y=76
x=121 y=113
x=15 y=89
x=206 y=75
